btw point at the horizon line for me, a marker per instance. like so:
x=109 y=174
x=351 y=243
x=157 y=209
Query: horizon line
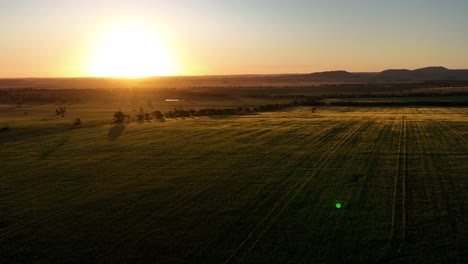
x=218 y=75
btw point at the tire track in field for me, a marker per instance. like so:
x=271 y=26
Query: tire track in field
x=454 y=186
x=264 y=225
x=298 y=190
x=397 y=232
x=371 y=136
x=453 y=130
x=176 y=205
x=446 y=191
x=382 y=130
x=320 y=135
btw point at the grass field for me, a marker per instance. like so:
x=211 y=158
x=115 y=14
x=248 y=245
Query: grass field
x=253 y=189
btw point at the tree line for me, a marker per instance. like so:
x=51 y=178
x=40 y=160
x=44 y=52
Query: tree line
x=399 y=103
x=120 y=117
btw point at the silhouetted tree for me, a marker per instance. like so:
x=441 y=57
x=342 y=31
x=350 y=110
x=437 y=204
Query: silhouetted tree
x=158 y=114
x=61 y=111
x=77 y=122
x=119 y=117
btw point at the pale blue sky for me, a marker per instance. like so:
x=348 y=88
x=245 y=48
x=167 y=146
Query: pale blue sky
x=50 y=38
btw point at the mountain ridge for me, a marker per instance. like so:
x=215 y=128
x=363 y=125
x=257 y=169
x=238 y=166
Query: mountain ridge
x=420 y=74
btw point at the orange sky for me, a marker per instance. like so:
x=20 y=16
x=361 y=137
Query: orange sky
x=139 y=38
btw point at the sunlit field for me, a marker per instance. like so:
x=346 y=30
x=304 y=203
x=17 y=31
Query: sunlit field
x=259 y=188
x=138 y=131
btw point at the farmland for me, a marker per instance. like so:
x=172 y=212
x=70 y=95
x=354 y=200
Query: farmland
x=250 y=188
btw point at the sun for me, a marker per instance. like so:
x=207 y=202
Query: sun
x=130 y=51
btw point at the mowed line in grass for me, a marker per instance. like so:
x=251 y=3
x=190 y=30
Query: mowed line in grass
x=445 y=197
x=397 y=231
x=266 y=143
x=331 y=152
x=320 y=222
x=408 y=201
x=280 y=206
x=66 y=209
x=283 y=142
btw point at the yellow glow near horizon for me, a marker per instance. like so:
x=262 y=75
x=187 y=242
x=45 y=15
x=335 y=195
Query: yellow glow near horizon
x=130 y=51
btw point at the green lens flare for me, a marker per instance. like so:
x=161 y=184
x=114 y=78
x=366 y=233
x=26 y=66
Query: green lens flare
x=338 y=205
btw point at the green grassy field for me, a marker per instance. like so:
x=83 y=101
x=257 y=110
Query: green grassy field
x=253 y=189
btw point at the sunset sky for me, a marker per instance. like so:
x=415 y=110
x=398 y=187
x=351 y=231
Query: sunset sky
x=53 y=38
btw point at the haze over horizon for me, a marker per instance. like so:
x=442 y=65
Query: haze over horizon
x=146 y=38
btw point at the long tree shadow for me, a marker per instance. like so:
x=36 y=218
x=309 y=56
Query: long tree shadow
x=115 y=131
x=52 y=148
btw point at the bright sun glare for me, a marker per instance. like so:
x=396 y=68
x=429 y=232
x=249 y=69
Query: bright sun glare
x=130 y=51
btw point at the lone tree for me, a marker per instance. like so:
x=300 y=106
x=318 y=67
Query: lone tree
x=119 y=117
x=61 y=111
x=77 y=122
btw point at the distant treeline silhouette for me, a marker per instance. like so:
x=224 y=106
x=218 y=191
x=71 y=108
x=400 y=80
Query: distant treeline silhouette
x=120 y=117
x=398 y=103
x=384 y=95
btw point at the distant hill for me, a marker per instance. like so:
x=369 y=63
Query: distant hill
x=432 y=70
x=434 y=73
x=422 y=74
x=427 y=73
x=327 y=76
x=334 y=75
